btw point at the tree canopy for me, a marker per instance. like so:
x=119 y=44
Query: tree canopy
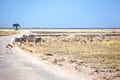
x=16 y=25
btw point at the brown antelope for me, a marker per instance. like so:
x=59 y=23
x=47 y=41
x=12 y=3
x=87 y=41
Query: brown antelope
x=9 y=46
x=83 y=41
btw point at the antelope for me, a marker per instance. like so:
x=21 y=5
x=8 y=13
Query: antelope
x=83 y=41
x=9 y=45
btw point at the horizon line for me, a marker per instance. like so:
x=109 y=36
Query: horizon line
x=57 y=28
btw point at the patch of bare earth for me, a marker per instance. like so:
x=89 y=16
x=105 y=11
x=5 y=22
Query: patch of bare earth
x=99 y=60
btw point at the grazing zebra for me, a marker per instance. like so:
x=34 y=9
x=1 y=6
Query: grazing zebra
x=17 y=40
x=23 y=39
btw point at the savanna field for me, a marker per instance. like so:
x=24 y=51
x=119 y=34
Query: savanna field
x=78 y=49
x=93 y=52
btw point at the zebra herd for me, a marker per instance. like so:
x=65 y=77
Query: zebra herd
x=25 y=38
x=28 y=38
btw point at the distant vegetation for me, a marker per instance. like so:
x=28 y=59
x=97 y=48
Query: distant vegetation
x=16 y=25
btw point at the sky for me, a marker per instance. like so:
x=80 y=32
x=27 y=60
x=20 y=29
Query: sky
x=60 y=13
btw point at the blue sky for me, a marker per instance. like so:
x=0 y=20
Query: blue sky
x=60 y=13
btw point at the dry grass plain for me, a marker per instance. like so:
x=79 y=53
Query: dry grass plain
x=93 y=58
x=7 y=32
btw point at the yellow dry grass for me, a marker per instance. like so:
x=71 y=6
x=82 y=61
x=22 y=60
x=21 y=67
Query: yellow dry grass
x=107 y=54
x=102 y=57
x=7 y=32
x=97 y=55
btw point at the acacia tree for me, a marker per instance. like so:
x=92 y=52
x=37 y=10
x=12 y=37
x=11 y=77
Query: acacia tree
x=16 y=25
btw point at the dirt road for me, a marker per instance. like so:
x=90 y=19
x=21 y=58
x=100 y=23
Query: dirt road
x=17 y=65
